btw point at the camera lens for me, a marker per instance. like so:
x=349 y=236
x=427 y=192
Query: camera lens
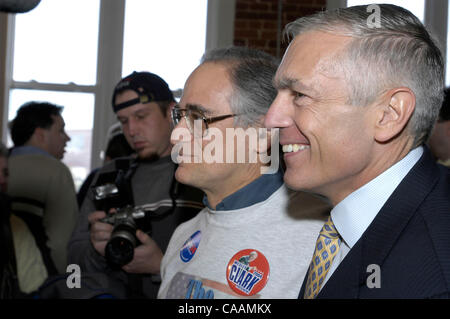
x=120 y=248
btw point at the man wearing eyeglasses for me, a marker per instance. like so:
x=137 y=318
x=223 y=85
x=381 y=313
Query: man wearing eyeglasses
x=247 y=213
x=142 y=102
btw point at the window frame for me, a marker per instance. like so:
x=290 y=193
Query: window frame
x=219 y=33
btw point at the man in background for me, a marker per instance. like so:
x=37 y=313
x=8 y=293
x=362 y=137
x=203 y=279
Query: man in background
x=40 y=185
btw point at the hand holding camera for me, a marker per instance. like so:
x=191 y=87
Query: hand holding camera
x=147 y=257
x=133 y=249
x=100 y=232
x=114 y=235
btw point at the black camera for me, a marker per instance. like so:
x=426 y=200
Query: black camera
x=120 y=247
x=113 y=190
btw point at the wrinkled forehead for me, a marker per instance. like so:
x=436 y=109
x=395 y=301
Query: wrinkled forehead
x=208 y=89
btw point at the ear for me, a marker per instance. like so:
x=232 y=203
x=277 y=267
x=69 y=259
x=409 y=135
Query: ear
x=39 y=134
x=39 y=138
x=394 y=113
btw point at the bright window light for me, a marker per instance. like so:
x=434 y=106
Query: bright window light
x=57 y=42
x=164 y=37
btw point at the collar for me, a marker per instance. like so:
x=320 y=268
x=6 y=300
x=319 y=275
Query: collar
x=27 y=150
x=257 y=191
x=356 y=212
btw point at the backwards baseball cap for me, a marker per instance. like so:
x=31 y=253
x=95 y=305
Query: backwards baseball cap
x=148 y=86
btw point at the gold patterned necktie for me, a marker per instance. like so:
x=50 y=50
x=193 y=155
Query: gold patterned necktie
x=327 y=246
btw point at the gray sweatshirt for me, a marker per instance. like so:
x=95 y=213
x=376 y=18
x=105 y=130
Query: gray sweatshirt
x=209 y=256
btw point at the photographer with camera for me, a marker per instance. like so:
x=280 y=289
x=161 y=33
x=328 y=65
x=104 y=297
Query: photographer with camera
x=126 y=221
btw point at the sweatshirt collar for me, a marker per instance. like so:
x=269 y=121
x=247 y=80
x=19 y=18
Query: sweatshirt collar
x=257 y=191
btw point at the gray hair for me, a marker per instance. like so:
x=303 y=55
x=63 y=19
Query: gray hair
x=397 y=52
x=251 y=72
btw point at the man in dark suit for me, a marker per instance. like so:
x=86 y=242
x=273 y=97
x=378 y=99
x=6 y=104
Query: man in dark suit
x=359 y=90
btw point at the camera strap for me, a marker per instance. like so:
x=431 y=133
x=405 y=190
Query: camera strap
x=174 y=189
x=126 y=169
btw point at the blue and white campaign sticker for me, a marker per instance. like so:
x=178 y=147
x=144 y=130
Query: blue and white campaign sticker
x=190 y=246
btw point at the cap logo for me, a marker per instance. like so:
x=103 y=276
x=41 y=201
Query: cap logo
x=144 y=98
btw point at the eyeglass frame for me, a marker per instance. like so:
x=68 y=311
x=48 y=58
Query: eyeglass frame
x=206 y=120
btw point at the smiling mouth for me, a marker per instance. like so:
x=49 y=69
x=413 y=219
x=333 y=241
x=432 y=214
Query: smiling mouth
x=293 y=148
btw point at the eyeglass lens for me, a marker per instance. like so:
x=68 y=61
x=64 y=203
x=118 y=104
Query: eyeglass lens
x=191 y=117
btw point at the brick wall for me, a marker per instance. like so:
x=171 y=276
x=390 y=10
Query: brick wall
x=256 y=21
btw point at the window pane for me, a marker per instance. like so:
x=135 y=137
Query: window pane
x=78 y=115
x=57 y=42
x=164 y=37
x=417 y=7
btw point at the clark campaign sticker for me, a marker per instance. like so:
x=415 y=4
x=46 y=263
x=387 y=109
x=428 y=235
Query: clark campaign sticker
x=190 y=246
x=248 y=272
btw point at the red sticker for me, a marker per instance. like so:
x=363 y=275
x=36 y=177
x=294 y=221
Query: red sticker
x=248 y=272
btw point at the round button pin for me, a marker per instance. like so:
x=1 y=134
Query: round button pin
x=248 y=272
